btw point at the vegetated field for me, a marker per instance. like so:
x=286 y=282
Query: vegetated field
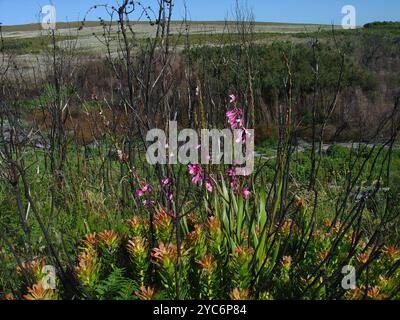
x=29 y=42
x=144 y=28
x=26 y=38
x=77 y=193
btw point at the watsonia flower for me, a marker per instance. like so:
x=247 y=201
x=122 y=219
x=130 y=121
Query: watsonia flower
x=244 y=135
x=209 y=185
x=232 y=98
x=196 y=172
x=167 y=182
x=235 y=118
x=246 y=193
x=146 y=188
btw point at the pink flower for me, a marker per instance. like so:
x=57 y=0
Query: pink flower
x=237 y=124
x=209 y=185
x=245 y=172
x=244 y=136
x=235 y=184
x=246 y=193
x=170 y=196
x=145 y=189
x=197 y=179
x=234 y=114
x=235 y=119
x=231 y=172
x=195 y=171
x=233 y=98
x=167 y=182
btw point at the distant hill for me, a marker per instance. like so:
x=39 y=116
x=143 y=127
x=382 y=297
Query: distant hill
x=77 y=24
x=383 y=25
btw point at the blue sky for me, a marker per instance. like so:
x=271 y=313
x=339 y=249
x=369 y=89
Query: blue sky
x=295 y=11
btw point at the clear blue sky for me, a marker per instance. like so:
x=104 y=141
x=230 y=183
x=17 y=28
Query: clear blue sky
x=295 y=11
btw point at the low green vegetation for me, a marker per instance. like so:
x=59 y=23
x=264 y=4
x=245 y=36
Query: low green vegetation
x=34 y=45
x=118 y=256
x=386 y=25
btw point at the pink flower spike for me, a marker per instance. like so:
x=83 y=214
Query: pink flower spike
x=235 y=119
x=235 y=113
x=246 y=172
x=209 y=185
x=233 y=98
x=147 y=188
x=237 y=124
x=197 y=179
x=244 y=136
x=166 y=182
x=231 y=172
x=231 y=114
x=170 y=196
x=235 y=184
x=196 y=172
x=194 y=169
x=246 y=193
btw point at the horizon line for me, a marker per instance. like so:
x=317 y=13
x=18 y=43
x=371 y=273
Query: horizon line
x=180 y=21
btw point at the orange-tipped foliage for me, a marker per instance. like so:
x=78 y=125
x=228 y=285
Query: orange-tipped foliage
x=238 y=294
x=146 y=293
x=37 y=292
x=207 y=264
